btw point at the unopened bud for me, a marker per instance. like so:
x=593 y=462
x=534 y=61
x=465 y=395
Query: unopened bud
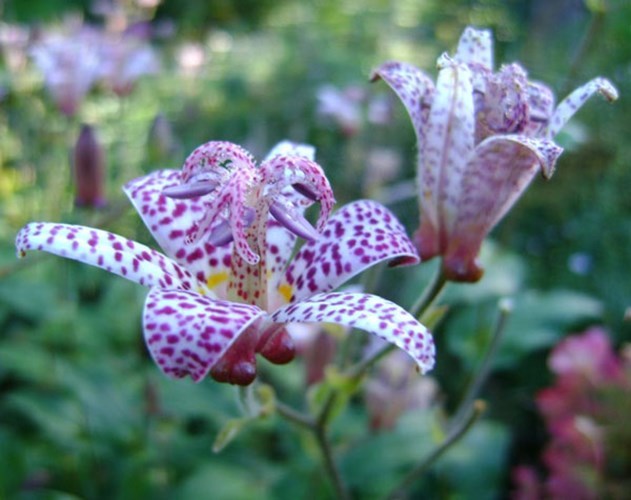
x=89 y=169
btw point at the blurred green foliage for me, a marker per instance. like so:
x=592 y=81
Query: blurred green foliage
x=85 y=414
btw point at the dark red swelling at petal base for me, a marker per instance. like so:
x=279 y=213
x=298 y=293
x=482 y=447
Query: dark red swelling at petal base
x=238 y=365
x=278 y=347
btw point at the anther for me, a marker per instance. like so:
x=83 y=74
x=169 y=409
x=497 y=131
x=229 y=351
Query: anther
x=293 y=221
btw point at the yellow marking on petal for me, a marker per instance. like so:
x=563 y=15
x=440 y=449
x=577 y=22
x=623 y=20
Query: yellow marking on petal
x=216 y=279
x=201 y=291
x=286 y=291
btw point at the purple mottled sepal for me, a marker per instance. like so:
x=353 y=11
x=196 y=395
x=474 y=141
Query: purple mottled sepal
x=111 y=252
x=378 y=316
x=187 y=333
x=357 y=236
x=170 y=221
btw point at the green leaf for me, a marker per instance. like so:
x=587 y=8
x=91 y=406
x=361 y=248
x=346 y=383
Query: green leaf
x=474 y=467
x=224 y=481
x=35 y=301
x=538 y=320
x=377 y=462
x=229 y=431
x=343 y=385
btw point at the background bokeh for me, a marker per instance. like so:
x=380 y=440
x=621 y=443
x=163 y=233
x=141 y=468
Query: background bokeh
x=84 y=413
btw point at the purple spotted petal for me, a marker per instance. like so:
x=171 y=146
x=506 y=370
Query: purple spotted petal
x=475 y=48
x=357 y=236
x=449 y=143
x=540 y=108
x=187 y=333
x=378 y=316
x=572 y=103
x=414 y=88
x=496 y=176
x=111 y=252
x=170 y=220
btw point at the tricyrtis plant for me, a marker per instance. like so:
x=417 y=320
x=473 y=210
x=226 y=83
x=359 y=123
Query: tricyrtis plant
x=242 y=262
x=482 y=137
x=226 y=287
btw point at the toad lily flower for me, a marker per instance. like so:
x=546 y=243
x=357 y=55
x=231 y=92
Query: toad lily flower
x=211 y=306
x=482 y=137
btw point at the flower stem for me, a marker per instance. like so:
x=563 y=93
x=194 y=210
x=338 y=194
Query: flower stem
x=456 y=433
x=329 y=464
x=594 y=30
x=505 y=308
x=318 y=428
x=430 y=294
x=294 y=416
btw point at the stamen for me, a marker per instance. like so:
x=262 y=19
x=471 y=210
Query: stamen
x=221 y=234
x=293 y=221
x=306 y=191
x=192 y=190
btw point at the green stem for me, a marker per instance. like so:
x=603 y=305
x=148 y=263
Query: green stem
x=318 y=428
x=454 y=436
x=430 y=294
x=295 y=416
x=329 y=464
x=482 y=374
x=596 y=24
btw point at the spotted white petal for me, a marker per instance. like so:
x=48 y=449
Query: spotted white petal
x=414 y=88
x=475 y=48
x=170 y=221
x=373 y=314
x=187 y=333
x=111 y=252
x=279 y=247
x=449 y=143
x=496 y=176
x=572 y=103
x=356 y=237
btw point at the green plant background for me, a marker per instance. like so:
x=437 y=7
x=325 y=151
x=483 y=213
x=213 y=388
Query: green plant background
x=83 y=411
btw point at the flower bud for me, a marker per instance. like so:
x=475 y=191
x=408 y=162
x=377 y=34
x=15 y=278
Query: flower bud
x=88 y=169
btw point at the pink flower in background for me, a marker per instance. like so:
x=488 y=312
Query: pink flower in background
x=70 y=63
x=349 y=108
x=75 y=58
x=125 y=59
x=342 y=106
x=582 y=363
x=589 y=357
x=482 y=137
x=227 y=284
x=582 y=412
x=395 y=389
